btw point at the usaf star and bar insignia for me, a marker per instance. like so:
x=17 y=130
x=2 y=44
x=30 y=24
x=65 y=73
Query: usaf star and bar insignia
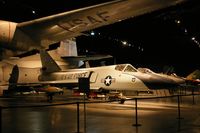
x=108 y=80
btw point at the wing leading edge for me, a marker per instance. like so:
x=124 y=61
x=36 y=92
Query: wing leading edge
x=52 y=29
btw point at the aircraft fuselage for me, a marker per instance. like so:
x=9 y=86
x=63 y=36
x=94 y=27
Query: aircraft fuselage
x=114 y=77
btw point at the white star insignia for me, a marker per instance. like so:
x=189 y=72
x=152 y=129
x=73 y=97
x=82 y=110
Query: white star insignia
x=107 y=80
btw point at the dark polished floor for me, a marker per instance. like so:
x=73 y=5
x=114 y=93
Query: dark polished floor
x=154 y=116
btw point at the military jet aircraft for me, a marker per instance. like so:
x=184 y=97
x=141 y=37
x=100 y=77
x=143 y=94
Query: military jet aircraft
x=104 y=78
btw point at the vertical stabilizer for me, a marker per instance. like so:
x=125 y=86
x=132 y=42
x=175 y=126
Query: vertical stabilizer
x=48 y=64
x=13 y=77
x=87 y=64
x=67 y=48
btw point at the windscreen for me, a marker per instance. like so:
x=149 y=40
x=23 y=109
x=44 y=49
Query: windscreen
x=130 y=68
x=120 y=67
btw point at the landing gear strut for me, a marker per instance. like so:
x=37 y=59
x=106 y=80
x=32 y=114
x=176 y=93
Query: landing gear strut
x=122 y=101
x=117 y=96
x=50 y=97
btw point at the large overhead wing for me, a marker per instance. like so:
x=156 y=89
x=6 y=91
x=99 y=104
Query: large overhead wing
x=51 y=29
x=57 y=27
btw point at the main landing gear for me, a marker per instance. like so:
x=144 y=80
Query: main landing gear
x=116 y=96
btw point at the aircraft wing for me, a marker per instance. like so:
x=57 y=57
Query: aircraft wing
x=87 y=58
x=52 y=29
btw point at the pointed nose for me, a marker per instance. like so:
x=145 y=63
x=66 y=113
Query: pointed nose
x=154 y=81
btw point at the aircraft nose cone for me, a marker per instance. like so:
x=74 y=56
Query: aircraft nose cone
x=157 y=82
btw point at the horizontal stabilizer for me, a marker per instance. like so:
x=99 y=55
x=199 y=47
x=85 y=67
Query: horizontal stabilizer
x=86 y=58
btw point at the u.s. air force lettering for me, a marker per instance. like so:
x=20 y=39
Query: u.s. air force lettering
x=96 y=18
x=75 y=75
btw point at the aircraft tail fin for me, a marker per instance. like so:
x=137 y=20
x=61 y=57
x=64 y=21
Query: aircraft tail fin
x=48 y=64
x=13 y=78
x=87 y=64
x=67 y=48
x=194 y=75
x=168 y=70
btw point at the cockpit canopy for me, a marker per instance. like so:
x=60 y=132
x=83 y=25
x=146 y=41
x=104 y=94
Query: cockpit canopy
x=145 y=70
x=125 y=68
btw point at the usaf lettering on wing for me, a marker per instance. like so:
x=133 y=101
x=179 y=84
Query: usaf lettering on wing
x=98 y=17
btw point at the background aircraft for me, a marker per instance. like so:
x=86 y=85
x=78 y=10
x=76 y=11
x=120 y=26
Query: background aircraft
x=194 y=75
x=193 y=78
x=16 y=38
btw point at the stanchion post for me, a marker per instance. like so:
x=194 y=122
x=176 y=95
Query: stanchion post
x=136 y=114
x=78 y=124
x=179 y=110
x=84 y=86
x=0 y=119
x=193 y=96
x=84 y=113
